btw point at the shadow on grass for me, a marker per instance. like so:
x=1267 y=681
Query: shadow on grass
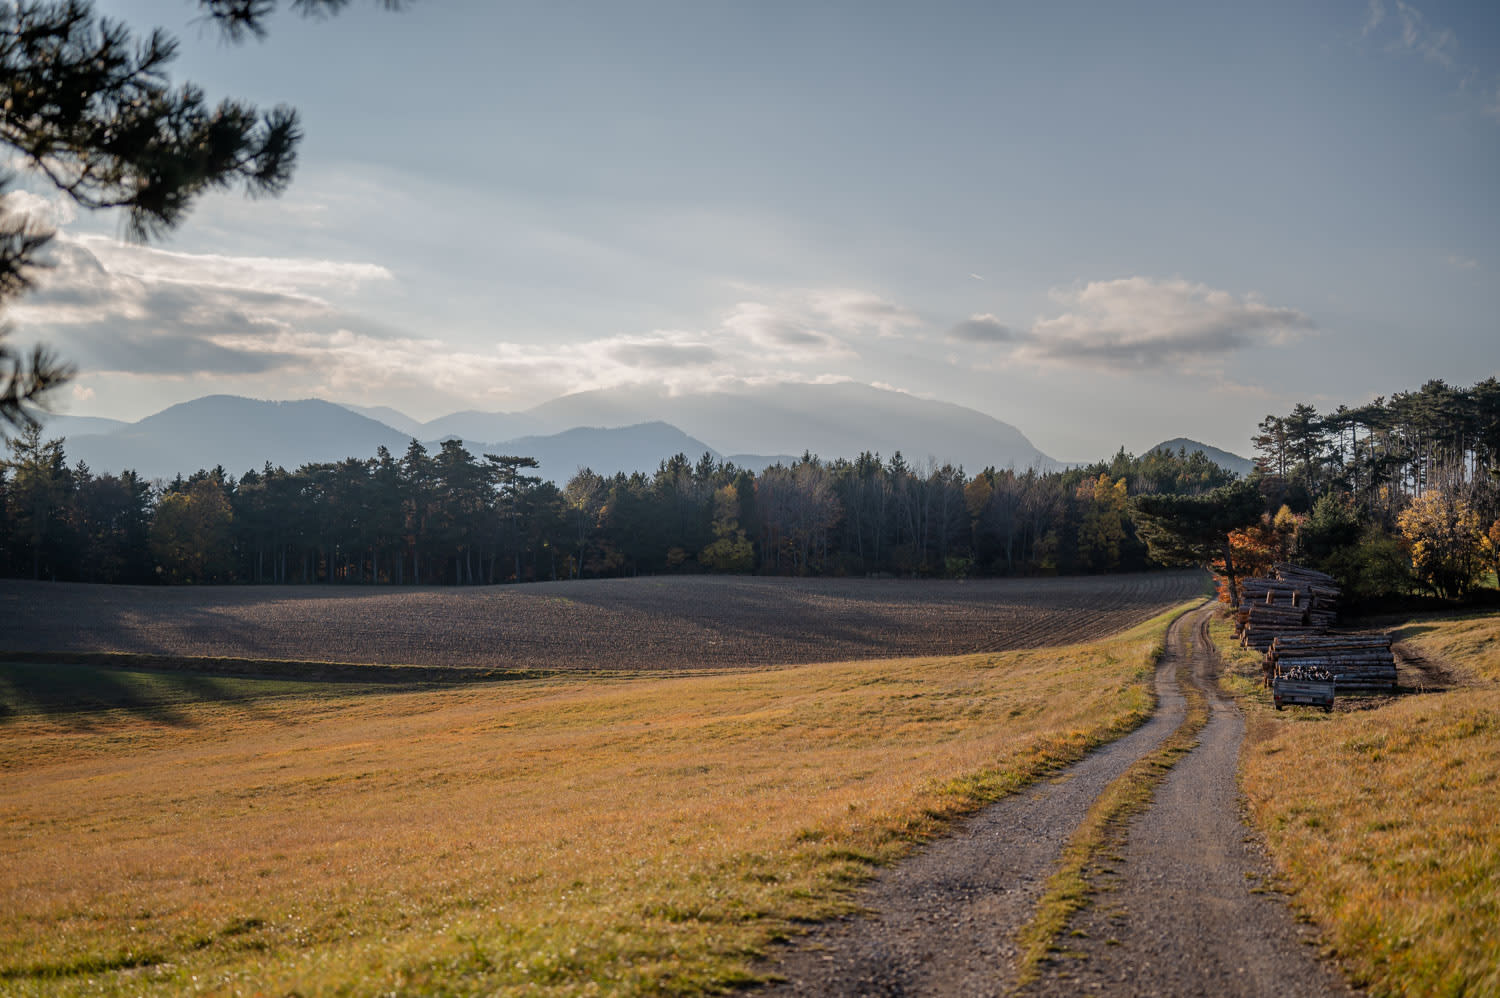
x=74 y=693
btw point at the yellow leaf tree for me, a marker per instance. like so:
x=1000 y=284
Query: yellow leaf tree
x=1446 y=541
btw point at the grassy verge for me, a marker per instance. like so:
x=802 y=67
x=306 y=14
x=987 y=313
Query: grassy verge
x=1382 y=821
x=1102 y=830
x=542 y=836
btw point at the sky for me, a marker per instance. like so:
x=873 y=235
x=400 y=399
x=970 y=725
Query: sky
x=1107 y=224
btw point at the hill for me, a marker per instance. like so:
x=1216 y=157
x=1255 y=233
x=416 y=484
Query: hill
x=1241 y=466
x=239 y=433
x=628 y=448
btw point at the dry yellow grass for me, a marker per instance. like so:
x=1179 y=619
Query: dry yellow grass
x=553 y=836
x=1383 y=820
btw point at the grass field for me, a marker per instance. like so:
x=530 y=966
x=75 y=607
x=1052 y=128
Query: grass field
x=551 y=836
x=1382 y=815
x=667 y=623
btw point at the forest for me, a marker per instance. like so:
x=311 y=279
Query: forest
x=1393 y=496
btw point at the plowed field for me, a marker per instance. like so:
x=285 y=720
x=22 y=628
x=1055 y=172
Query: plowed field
x=649 y=623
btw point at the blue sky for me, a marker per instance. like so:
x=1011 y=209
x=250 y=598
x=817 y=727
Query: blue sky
x=1104 y=225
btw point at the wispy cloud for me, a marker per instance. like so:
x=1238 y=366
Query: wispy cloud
x=1140 y=322
x=1458 y=262
x=1404 y=29
x=276 y=275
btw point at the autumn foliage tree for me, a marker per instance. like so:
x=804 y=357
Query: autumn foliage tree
x=1446 y=542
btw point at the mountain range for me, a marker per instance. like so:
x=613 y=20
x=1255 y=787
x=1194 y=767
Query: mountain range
x=621 y=429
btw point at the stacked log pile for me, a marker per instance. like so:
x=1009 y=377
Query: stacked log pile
x=1295 y=600
x=1354 y=661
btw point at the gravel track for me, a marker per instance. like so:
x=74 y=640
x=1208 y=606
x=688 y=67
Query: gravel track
x=673 y=622
x=1185 y=911
x=945 y=921
x=1180 y=912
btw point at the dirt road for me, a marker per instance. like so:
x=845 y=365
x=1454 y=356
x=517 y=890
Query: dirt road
x=1182 y=913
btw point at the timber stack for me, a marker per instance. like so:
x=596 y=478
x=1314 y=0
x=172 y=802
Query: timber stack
x=1353 y=661
x=1295 y=600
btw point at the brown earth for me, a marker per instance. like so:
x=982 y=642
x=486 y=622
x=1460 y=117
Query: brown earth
x=674 y=622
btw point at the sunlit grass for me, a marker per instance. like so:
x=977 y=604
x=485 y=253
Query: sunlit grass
x=555 y=836
x=1383 y=820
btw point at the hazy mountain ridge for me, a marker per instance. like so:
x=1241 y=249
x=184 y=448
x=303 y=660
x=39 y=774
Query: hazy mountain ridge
x=1241 y=466
x=611 y=430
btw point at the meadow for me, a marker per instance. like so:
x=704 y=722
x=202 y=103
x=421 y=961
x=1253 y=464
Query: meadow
x=1381 y=816
x=623 y=833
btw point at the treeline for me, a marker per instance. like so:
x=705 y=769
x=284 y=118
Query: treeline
x=453 y=517
x=1399 y=495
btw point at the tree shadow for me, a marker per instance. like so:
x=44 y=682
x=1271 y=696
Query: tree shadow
x=78 y=695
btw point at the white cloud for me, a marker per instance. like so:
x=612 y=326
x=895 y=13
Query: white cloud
x=1139 y=322
x=1462 y=262
x=47 y=212
x=120 y=310
x=277 y=275
x=857 y=313
x=1437 y=45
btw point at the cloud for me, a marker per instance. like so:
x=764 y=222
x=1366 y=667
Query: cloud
x=1437 y=45
x=1458 y=262
x=778 y=327
x=857 y=313
x=660 y=353
x=40 y=210
x=112 y=307
x=271 y=327
x=983 y=329
x=278 y=275
x=1138 y=322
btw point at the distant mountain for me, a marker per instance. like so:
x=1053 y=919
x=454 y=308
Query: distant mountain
x=628 y=448
x=831 y=421
x=1241 y=466
x=474 y=425
x=239 y=433
x=760 y=462
x=615 y=430
x=55 y=426
x=394 y=418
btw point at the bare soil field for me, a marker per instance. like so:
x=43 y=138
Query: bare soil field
x=667 y=623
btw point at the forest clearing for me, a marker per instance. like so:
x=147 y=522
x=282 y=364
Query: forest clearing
x=566 y=835
x=1380 y=816
x=656 y=623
